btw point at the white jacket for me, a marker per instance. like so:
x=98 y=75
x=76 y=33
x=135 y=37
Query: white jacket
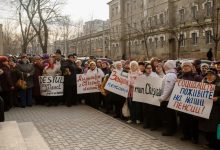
x=168 y=84
x=96 y=72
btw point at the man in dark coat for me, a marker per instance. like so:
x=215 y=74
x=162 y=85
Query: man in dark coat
x=70 y=88
x=209 y=54
x=38 y=65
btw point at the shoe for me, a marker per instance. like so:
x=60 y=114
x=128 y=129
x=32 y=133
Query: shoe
x=138 y=122
x=129 y=121
x=154 y=129
x=195 y=141
x=168 y=133
x=184 y=138
x=146 y=126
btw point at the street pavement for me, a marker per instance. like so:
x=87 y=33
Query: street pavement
x=84 y=128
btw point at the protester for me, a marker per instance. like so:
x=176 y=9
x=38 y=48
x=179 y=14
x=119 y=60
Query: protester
x=94 y=71
x=25 y=72
x=52 y=69
x=134 y=107
x=148 y=110
x=141 y=66
x=188 y=122
x=38 y=66
x=167 y=87
x=217 y=66
x=159 y=70
x=209 y=126
x=6 y=83
x=204 y=68
x=70 y=88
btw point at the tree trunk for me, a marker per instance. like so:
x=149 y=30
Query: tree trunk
x=216 y=50
x=146 y=47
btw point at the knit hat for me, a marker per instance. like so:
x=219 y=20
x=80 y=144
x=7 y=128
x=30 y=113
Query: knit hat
x=3 y=58
x=212 y=71
x=187 y=63
x=204 y=64
x=58 y=51
x=170 y=64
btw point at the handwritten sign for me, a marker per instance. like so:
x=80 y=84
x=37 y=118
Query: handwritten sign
x=88 y=83
x=51 y=86
x=118 y=83
x=147 y=90
x=191 y=97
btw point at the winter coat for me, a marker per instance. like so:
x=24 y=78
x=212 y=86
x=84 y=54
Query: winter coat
x=69 y=72
x=38 y=72
x=190 y=76
x=26 y=72
x=6 y=81
x=210 y=125
x=132 y=77
x=168 y=84
x=106 y=70
x=96 y=72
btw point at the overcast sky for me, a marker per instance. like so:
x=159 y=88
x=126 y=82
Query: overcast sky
x=77 y=9
x=87 y=9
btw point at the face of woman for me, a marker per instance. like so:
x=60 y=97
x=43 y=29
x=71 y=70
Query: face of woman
x=186 y=68
x=51 y=60
x=92 y=66
x=148 y=69
x=210 y=77
x=159 y=69
x=119 y=66
x=134 y=67
x=104 y=65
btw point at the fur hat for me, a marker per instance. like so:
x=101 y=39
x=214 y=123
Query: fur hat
x=92 y=62
x=204 y=64
x=187 y=63
x=170 y=64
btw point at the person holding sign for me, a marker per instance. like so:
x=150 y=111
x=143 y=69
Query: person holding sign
x=135 y=107
x=188 y=122
x=52 y=69
x=167 y=87
x=97 y=72
x=209 y=126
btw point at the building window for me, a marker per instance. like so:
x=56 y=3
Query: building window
x=156 y=42
x=161 y=19
x=194 y=12
x=208 y=8
x=162 y=41
x=181 y=13
x=128 y=5
x=208 y=36
x=155 y=20
x=182 y=40
x=150 y=42
x=112 y=12
x=116 y=10
x=194 y=39
x=150 y=21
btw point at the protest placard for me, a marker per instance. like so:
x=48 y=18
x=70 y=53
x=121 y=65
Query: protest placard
x=88 y=83
x=147 y=90
x=118 y=83
x=191 y=97
x=51 y=86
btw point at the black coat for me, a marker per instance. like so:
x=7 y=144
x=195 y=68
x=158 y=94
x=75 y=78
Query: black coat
x=69 y=79
x=6 y=81
x=210 y=125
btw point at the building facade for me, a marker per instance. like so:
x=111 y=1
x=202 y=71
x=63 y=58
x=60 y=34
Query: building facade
x=1 y=40
x=163 y=28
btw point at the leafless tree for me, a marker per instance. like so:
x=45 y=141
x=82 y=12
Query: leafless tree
x=41 y=13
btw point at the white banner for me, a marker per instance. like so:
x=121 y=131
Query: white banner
x=88 y=83
x=147 y=90
x=118 y=83
x=51 y=86
x=193 y=98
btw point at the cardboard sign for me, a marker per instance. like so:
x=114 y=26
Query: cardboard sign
x=147 y=90
x=193 y=98
x=88 y=83
x=51 y=86
x=118 y=83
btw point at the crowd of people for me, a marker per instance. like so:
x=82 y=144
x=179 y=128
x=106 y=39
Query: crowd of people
x=14 y=70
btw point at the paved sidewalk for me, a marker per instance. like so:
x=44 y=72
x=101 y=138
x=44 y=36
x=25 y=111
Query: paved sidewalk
x=84 y=128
